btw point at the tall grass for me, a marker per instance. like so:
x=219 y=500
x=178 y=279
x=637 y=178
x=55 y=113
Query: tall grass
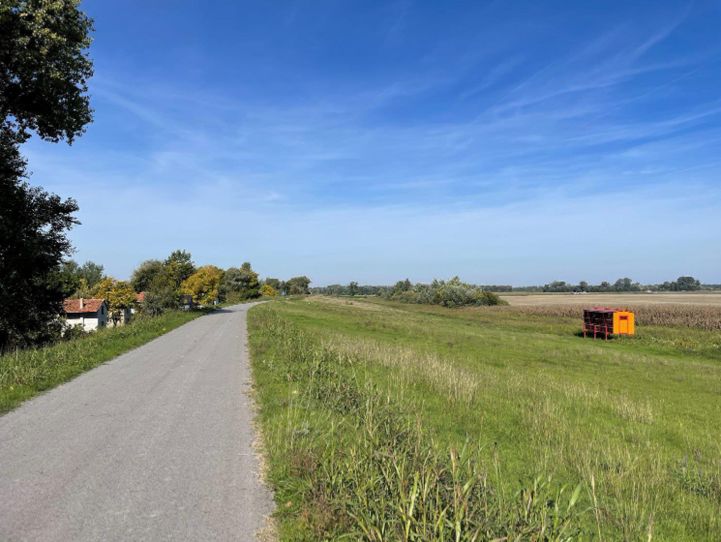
x=349 y=462
x=25 y=373
x=633 y=422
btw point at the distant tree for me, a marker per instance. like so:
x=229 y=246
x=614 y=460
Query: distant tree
x=353 y=288
x=273 y=283
x=118 y=293
x=583 y=286
x=626 y=285
x=241 y=283
x=298 y=285
x=145 y=274
x=203 y=285
x=687 y=284
x=268 y=291
x=91 y=272
x=179 y=266
x=69 y=277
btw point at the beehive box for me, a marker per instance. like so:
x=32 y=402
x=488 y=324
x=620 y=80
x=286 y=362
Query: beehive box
x=606 y=322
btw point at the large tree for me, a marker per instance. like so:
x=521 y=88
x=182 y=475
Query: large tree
x=32 y=245
x=44 y=70
x=145 y=274
x=204 y=285
x=241 y=283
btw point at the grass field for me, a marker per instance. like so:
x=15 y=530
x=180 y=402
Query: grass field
x=386 y=421
x=26 y=373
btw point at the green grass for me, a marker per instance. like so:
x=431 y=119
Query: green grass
x=635 y=423
x=26 y=373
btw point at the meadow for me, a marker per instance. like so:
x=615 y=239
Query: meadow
x=387 y=421
x=26 y=373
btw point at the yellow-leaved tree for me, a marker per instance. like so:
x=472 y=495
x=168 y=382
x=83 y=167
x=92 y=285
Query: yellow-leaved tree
x=203 y=285
x=118 y=293
x=268 y=291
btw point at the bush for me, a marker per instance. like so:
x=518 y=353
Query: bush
x=452 y=293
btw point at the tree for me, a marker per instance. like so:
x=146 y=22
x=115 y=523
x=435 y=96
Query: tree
x=33 y=243
x=179 y=266
x=298 y=286
x=44 y=70
x=268 y=291
x=273 y=283
x=687 y=283
x=353 y=288
x=119 y=295
x=145 y=274
x=203 y=285
x=92 y=273
x=239 y=284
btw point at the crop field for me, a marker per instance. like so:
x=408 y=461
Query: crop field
x=612 y=299
x=386 y=421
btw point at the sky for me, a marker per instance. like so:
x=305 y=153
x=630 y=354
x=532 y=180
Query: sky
x=504 y=142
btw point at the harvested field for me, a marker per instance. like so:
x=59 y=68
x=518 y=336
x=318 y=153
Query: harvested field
x=686 y=298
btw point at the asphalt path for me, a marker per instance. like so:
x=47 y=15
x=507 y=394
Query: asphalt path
x=156 y=444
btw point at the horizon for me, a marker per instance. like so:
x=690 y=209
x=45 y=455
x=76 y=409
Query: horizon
x=371 y=142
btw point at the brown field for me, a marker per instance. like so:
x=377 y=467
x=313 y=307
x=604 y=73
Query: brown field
x=613 y=299
x=698 y=310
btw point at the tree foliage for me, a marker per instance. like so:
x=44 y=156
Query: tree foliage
x=118 y=293
x=33 y=242
x=44 y=70
x=203 y=285
x=178 y=267
x=452 y=293
x=268 y=291
x=241 y=283
x=145 y=274
x=297 y=286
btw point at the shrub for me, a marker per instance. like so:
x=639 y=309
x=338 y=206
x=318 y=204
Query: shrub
x=452 y=293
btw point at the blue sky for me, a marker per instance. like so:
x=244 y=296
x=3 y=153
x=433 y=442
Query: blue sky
x=506 y=142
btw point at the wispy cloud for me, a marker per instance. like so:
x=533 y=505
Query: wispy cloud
x=440 y=163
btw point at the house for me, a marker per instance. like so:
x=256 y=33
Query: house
x=139 y=300
x=90 y=313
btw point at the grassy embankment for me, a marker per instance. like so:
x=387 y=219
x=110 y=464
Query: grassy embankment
x=26 y=373
x=404 y=422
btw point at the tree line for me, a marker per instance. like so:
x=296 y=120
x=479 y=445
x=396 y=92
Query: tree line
x=44 y=73
x=681 y=284
x=451 y=293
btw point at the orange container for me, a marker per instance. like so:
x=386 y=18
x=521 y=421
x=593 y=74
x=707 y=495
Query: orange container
x=605 y=322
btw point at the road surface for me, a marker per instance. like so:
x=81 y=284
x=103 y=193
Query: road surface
x=154 y=445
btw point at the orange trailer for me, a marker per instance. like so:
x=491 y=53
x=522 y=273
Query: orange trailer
x=605 y=322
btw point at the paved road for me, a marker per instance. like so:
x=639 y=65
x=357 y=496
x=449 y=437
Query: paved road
x=154 y=445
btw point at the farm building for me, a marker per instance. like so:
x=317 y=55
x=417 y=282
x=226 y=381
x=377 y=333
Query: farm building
x=90 y=313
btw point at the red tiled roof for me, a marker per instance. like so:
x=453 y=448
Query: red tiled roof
x=72 y=306
x=140 y=297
